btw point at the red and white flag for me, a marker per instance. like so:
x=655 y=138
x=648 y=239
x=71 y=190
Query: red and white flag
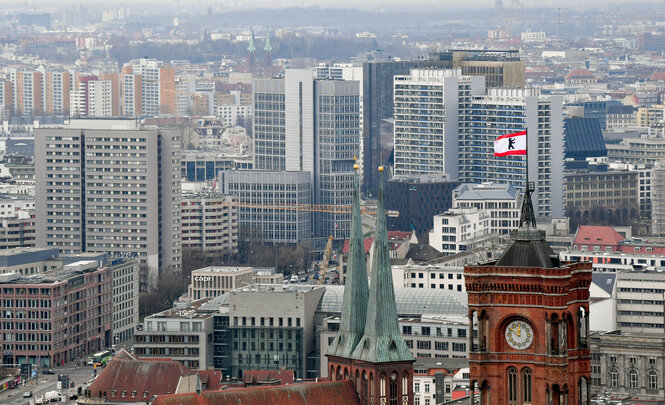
x=510 y=144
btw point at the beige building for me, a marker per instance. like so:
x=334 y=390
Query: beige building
x=216 y=280
x=648 y=116
x=110 y=186
x=210 y=223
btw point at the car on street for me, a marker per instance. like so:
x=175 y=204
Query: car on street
x=27 y=394
x=48 y=371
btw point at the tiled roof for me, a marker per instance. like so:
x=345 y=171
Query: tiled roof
x=367 y=242
x=251 y=377
x=656 y=76
x=322 y=393
x=605 y=281
x=580 y=73
x=399 y=235
x=138 y=376
x=597 y=236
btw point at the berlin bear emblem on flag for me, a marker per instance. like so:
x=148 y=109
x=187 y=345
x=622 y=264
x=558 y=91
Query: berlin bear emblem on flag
x=510 y=144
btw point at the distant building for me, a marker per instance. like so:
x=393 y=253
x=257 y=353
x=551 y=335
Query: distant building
x=266 y=189
x=118 y=191
x=461 y=229
x=148 y=88
x=583 y=138
x=53 y=342
x=417 y=200
x=28 y=261
x=178 y=334
x=628 y=365
x=502 y=201
x=210 y=223
x=214 y=281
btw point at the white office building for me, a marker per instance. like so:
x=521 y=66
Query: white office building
x=430 y=106
x=502 y=201
x=461 y=229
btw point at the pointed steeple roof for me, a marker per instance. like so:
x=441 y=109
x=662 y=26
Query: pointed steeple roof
x=251 y=48
x=382 y=341
x=356 y=288
x=268 y=48
x=528 y=247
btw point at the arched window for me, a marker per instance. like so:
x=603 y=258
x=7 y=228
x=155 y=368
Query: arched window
x=512 y=385
x=653 y=380
x=526 y=385
x=382 y=386
x=393 y=389
x=614 y=378
x=633 y=379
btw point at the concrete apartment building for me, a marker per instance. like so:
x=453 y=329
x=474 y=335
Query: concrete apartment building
x=181 y=334
x=28 y=261
x=27 y=92
x=68 y=314
x=429 y=106
x=644 y=150
x=502 y=201
x=110 y=186
x=462 y=229
x=210 y=223
x=214 y=281
x=258 y=192
x=504 y=111
x=148 y=88
x=432 y=276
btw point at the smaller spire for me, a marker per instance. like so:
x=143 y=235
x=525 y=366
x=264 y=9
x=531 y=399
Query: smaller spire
x=268 y=48
x=528 y=215
x=382 y=341
x=251 y=48
x=356 y=289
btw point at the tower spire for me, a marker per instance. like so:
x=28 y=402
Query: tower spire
x=382 y=341
x=251 y=48
x=268 y=47
x=356 y=289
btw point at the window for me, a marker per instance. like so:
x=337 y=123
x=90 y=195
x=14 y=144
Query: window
x=613 y=359
x=512 y=385
x=416 y=401
x=526 y=385
x=426 y=387
x=653 y=380
x=633 y=379
x=416 y=387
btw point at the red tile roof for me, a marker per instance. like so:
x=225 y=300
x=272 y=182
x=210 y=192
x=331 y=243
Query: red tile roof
x=597 y=236
x=138 y=375
x=399 y=235
x=253 y=377
x=321 y=393
x=211 y=379
x=579 y=74
x=657 y=76
x=368 y=245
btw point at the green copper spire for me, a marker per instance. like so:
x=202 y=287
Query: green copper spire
x=251 y=47
x=382 y=341
x=356 y=289
x=268 y=48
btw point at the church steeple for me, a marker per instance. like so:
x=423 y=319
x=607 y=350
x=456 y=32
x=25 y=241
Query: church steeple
x=251 y=48
x=251 y=58
x=267 y=58
x=382 y=341
x=356 y=289
x=268 y=48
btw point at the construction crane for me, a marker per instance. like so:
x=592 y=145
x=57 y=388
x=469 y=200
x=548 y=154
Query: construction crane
x=325 y=260
x=336 y=209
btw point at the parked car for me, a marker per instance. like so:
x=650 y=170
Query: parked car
x=27 y=394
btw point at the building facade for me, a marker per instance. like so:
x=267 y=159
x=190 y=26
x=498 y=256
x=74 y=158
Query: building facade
x=210 y=223
x=502 y=201
x=110 y=186
x=266 y=200
x=214 y=281
x=462 y=229
x=58 y=316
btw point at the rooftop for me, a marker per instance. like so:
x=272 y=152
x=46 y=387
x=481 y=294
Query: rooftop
x=486 y=191
x=222 y=269
x=189 y=312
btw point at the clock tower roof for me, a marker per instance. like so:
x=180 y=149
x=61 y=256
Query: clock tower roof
x=528 y=247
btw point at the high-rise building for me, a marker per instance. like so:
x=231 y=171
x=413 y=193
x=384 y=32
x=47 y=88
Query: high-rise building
x=56 y=89
x=503 y=111
x=6 y=99
x=210 y=223
x=27 y=92
x=100 y=98
x=303 y=124
x=429 y=106
x=156 y=87
x=110 y=186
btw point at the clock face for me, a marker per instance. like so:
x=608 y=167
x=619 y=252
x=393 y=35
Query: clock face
x=519 y=334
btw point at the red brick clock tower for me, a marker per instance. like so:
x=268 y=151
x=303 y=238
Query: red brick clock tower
x=530 y=313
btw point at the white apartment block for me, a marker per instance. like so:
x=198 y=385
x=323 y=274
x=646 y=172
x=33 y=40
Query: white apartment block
x=110 y=186
x=100 y=98
x=502 y=201
x=214 y=281
x=441 y=277
x=233 y=115
x=210 y=223
x=503 y=111
x=428 y=107
x=461 y=229
x=125 y=299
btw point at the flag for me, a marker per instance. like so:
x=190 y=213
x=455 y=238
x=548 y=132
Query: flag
x=510 y=144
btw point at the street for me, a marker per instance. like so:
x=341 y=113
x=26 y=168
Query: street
x=79 y=376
